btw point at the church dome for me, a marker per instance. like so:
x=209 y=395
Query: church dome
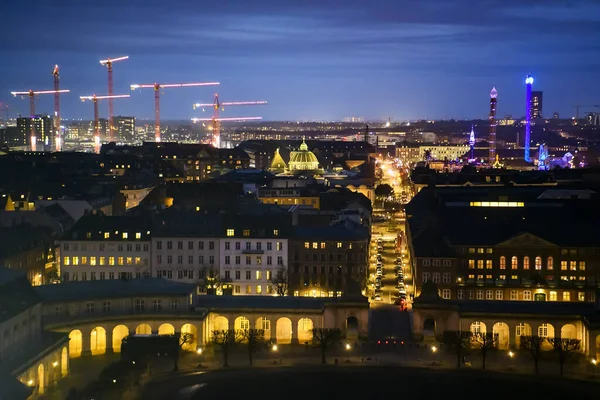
x=303 y=160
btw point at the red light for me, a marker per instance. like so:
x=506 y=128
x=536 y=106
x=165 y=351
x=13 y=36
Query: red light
x=402 y=343
x=379 y=342
x=386 y=342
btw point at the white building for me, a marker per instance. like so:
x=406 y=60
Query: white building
x=185 y=259
x=106 y=247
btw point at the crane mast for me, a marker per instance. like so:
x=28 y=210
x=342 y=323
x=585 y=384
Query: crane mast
x=95 y=99
x=109 y=66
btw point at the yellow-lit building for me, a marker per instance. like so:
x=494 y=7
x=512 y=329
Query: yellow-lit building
x=289 y=197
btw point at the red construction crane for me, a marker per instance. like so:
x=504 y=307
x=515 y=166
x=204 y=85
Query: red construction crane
x=95 y=99
x=109 y=64
x=216 y=121
x=57 y=139
x=31 y=94
x=157 y=87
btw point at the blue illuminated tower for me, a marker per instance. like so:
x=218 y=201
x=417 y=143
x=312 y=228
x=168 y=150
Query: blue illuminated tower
x=543 y=158
x=528 y=82
x=472 y=143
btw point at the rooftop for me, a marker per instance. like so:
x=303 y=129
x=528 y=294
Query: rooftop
x=271 y=302
x=102 y=227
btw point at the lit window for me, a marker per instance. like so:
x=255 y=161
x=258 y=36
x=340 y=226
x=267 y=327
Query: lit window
x=306 y=245
x=138 y=235
x=230 y=232
x=538 y=263
x=550 y=264
x=525 y=262
x=246 y=232
x=315 y=245
x=502 y=262
x=553 y=296
x=275 y=232
x=106 y=235
x=125 y=235
x=339 y=245
x=566 y=296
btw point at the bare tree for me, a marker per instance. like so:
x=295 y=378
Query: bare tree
x=533 y=344
x=326 y=338
x=280 y=282
x=564 y=348
x=224 y=339
x=212 y=280
x=458 y=342
x=253 y=338
x=184 y=338
x=484 y=341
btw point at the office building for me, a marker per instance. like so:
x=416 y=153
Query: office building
x=43 y=131
x=124 y=129
x=536 y=104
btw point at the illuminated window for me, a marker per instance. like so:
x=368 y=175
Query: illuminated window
x=129 y=260
x=514 y=262
x=582 y=265
x=525 y=262
x=258 y=289
x=526 y=294
x=573 y=265
x=92 y=260
x=315 y=245
x=106 y=235
x=471 y=264
x=84 y=260
x=66 y=260
x=538 y=263
x=488 y=264
x=125 y=235
x=120 y=261
x=111 y=261
x=339 y=245
x=550 y=264
x=563 y=265
x=553 y=296
x=75 y=260
x=502 y=262
x=246 y=232
x=230 y=232
x=581 y=296
x=138 y=235
x=275 y=232
x=322 y=245
x=479 y=264
x=566 y=296
x=102 y=261
x=306 y=245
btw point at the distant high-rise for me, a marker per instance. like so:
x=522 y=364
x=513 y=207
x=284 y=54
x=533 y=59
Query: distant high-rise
x=43 y=128
x=556 y=115
x=124 y=128
x=536 y=105
x=528 y=114
x=492 y=121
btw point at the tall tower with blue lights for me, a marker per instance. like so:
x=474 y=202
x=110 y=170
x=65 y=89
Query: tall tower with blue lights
x=472 y=143
x=529 y=83
x=492 y=121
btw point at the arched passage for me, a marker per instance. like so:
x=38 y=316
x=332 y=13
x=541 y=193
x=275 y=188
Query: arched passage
x=502 y=331
x=478 y=327
x=522 y=329
x=305 y=326
x=119 y=333
x=64 y=362
x=143 y=329
x=568 y=331
x=41 y=381
x=284 y=330
x=75 y=342
x=192 y=334
x=546 y=330
x=264 y=323
x=241 y=324
x=221 y=324
x=98 y=340
x=429 y=328
x=352 y=327
x=166 y=329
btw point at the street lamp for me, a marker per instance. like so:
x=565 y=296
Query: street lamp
x=433 y=351
x=274 y=347
x=348 y=347
x=594 y=362
x=199 y=352
x=510 y=358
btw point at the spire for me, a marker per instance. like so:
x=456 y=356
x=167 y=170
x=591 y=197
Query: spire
x=303 y=146
x=472 y=137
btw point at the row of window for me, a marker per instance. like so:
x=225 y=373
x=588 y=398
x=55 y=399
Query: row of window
x=323 y=245
x=116 y=235
x=248 y=246
x=74 y=276
x=517 y=277
x=246 y=232
x=499 y=295
x=332 y=257
x=237 y=289
x=111 y=261
x=106 y=306
x=211 y=245
x=436 y=263
x=102 y=247
x=489 y=250
x=248 y=275
x=324 y=269
x=514 y=264
x=317 y=293
x=190 y=245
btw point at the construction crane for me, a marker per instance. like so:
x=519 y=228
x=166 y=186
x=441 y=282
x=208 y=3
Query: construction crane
x=580 y=106
x=109 y=66
x=94 y=99
x=216 y=121
x=157 y=88
x=32 y=94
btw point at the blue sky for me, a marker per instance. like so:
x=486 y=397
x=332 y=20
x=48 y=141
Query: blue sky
x=311 y=59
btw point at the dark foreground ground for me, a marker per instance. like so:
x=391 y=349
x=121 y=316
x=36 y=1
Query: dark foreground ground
x=368 y=383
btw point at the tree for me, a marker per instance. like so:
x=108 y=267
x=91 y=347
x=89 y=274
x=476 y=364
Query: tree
x=253 y=338
x=384 y=190
x=280 y=281
x=458 y=342
x=224 y=339
x=212 y=280
x=564 y=348
x=325 y=338
x=533 y=344
x=184 y=338
x=484 y=342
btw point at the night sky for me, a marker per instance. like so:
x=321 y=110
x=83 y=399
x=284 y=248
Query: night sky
x=311 y=59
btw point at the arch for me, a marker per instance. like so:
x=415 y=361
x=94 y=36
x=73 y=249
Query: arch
x=143 y=329
x=98 y=340
x=546 y=330
x=501 y=329
x=478 y=327
x=119 y=333
x=41 y=381
x=305 y=327
x=264 y=323
x=166 y=329
x=429 y=328
x=526 y=262
x=538 y=263
x=241 y=324
x=502 y=262
x=522 y=329
x=75 y=343
x=352 y=327
x=64 y=362
x=193 y=332
x=284 y=330
x=514 y=262
x=221 y=323
x=568 y=331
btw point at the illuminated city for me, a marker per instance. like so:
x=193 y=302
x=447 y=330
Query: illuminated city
x=338 y=195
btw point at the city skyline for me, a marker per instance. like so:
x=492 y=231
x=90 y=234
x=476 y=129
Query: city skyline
x=325 y=61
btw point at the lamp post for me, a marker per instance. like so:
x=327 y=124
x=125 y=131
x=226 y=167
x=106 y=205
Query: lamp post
x=510 y=358
x=199 y=352
x=433 y=351
x=274 y=350
x=594 y=362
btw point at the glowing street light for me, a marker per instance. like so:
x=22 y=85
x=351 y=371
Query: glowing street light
x=433 y=351
x=510 y=358
x=594 y=362
x=199 y=351
x=274 y=347
x=348 y=347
